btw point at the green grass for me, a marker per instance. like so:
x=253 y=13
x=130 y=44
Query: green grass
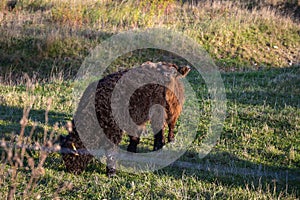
x=258 y=153
x=54 y=36
x=261 y=133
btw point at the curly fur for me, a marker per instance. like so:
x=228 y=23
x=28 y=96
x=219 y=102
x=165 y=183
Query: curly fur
x=171 y=98
x=74 y=153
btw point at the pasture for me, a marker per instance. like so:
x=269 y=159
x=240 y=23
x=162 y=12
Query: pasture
x=43 y=43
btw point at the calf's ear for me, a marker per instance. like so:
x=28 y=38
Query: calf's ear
x=184 y=70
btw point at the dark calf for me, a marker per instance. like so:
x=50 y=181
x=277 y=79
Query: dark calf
x=159 y=103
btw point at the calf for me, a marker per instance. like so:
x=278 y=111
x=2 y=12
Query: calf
x=167 y=93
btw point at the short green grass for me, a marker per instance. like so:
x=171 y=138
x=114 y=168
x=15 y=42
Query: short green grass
x=261 y=133
x=258 y=153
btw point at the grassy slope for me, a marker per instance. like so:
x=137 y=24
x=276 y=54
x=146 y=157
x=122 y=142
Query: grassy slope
x=261 y=131
x=56 y=35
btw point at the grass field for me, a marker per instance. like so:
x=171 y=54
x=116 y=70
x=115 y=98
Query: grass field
x=257 y=50
x=51 y=36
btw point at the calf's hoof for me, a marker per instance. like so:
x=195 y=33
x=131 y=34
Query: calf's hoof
x=158 y=146
x=110 y=172
x=171 y=140
x=131 y=148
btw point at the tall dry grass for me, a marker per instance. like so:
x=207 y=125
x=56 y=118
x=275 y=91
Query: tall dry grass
x=44 y=35
x=23 y=155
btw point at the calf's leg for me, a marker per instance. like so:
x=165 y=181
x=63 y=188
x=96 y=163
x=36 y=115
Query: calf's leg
x=157 y=117
x=111 y=162
x=111 y=151
x=171 y=124
x=134 y=141
x=171 y=136
x=159 y=140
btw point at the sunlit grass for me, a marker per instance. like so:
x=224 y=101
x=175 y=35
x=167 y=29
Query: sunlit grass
x=258 y=153
x=260 y=133
x=44 y=35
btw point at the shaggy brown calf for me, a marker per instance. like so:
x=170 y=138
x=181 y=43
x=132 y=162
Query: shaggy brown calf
x=167 y=92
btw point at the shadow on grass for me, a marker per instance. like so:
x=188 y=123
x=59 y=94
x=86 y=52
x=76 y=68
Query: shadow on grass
x=30 y=51
x=228 y=169
x=224 y=169
x=10 y=120
x=221 y=167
